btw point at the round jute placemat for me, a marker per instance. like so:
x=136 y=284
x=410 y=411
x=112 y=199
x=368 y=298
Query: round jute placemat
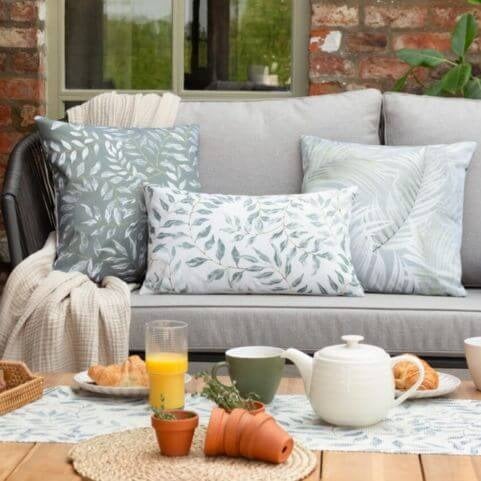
x=134 y=455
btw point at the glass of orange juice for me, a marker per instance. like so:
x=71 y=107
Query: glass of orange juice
x=166 y=360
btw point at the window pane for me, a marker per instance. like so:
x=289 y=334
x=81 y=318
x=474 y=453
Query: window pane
x=238 y=44
x=118 y=44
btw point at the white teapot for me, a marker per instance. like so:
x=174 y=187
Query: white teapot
x=351 y=384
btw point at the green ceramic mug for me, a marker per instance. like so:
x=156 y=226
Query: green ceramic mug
x=254 y=369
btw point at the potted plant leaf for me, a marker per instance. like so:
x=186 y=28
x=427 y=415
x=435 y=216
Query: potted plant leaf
x=458 y=79
x=228 y=397
x=174 y=430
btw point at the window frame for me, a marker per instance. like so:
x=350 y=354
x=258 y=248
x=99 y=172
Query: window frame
x=57 y=93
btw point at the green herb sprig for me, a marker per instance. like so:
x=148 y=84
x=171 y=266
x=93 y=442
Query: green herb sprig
x=226 y=397
x=161 y=413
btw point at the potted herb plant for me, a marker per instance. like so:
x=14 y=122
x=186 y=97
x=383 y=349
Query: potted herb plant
x=174 y=430
x=238 y=433
x=228 y=397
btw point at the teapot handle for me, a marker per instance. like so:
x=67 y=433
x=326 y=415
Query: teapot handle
x=414 y=387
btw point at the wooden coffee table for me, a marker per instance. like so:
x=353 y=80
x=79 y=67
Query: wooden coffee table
x=48 y=461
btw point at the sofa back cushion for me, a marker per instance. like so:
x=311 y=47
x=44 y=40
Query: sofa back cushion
x=421 y=120
x=253 y=148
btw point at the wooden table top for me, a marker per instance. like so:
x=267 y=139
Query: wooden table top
x=48 y=461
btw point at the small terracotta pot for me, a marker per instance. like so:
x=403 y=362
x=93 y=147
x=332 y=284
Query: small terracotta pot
x=175 y=437
x=240 y=433
x=235 y=425
x=214 y=438
x=257 y=407
x=265 y=440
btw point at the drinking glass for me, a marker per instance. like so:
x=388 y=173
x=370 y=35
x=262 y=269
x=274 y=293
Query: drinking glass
x=166 y=360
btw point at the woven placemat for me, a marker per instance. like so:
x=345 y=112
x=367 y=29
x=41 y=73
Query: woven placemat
x=134 y=454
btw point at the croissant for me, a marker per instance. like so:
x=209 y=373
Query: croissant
x=132 y=372
x=406 y=374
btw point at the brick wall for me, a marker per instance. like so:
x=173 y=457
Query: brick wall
x=353 y=42
x=21 y=74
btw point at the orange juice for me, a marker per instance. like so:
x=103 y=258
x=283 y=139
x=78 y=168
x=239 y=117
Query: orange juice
x=166 y=376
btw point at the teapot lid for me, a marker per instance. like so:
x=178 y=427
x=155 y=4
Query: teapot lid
x=352 y=350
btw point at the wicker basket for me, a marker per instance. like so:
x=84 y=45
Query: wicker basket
x=22 y=386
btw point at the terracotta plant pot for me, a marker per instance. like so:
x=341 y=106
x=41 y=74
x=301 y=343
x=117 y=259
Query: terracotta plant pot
x=236 y=423
x=263 y=439
x=214 y=439
x=239 y=433
x=175 y=437
x=257 y=407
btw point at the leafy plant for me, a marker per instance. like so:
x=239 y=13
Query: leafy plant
x=161 y=413
x=226 y=397
x=458 y=79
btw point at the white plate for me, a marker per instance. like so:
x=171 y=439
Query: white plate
x=84 y=381
x=447 y=385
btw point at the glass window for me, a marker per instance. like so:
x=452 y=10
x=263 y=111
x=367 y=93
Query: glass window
x=118 y=44
x=238 y=45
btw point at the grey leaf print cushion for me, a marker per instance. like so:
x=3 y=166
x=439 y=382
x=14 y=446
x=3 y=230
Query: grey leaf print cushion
x=205 y=244
x=406 y=226
x=99 y=174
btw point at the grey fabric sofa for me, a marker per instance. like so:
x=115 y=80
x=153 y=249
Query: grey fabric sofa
x=253 y=148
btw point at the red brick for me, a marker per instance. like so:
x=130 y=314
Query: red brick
x=25 y=62
x=326 y=64
x=395 y=17
x=5 y=115
x=18 y=37
x=325 y=40
x=323 y=88
x=436 y=41
x=3 y=61
x=333 y=15
x=28 y=113
x=8 y=141
x=366 y=42
x=4 y=11
x=362 y=86
x=380 y=68
x=23 y=11
x=21 y=89
x=446 y=17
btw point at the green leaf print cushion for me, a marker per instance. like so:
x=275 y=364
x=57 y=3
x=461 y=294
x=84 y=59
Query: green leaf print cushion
x=291 y=244
x=406 y=226
x=99 y=174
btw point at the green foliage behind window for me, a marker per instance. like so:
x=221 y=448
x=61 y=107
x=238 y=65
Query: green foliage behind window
x=138 y=55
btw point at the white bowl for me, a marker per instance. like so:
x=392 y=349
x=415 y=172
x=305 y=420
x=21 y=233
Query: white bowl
x=472 y=348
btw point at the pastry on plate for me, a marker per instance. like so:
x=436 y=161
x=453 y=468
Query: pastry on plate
x=406 y=374
x=131 y=373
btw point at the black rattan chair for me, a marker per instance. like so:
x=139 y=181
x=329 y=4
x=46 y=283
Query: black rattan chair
x=27 y=199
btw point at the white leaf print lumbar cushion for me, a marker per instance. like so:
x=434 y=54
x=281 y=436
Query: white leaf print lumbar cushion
x=99 y=174
x=407 y=218
x=206 y=244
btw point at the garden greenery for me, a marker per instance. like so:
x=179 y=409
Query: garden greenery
x=458 y=80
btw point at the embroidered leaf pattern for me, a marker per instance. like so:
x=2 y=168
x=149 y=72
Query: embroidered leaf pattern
x=407 y=219
x=98 y=174
x=240 y=244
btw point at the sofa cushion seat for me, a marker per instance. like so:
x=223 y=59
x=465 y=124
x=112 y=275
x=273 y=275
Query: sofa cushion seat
x=433 y=326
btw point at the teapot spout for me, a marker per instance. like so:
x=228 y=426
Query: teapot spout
x=304 y=363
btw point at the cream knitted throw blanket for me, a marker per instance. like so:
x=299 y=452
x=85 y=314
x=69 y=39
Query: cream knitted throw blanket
x=56 y=321
x=122 y=110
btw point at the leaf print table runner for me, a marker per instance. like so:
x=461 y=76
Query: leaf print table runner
x=440 y=426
